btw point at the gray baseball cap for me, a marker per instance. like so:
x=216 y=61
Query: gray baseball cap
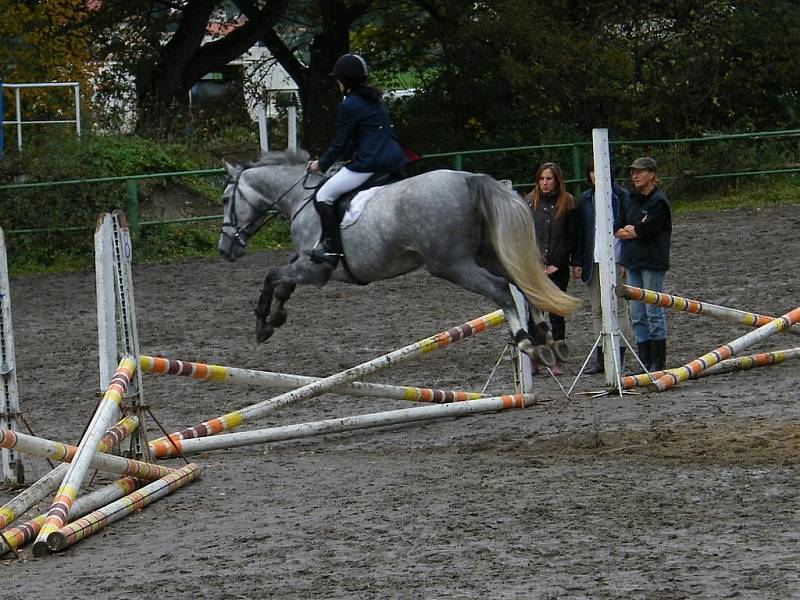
x=644 y=163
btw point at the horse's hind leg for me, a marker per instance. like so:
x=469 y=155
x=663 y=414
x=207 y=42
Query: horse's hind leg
x=474 y=278
x=539 y=329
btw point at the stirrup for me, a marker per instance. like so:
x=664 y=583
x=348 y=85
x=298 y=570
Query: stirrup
x=320 y=254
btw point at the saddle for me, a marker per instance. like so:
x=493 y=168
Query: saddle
x=342 y=203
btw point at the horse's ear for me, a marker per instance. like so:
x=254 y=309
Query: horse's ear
x=229 y=168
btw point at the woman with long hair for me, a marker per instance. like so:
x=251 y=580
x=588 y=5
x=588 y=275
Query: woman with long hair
x=555 y=218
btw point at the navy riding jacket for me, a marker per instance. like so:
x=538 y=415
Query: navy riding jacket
x=619 y=195
x=365 y=133
x=652 y=219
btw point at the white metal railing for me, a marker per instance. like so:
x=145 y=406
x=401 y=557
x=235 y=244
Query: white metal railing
x=19 y=122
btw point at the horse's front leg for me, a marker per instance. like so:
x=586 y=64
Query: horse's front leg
x=265 y=329
x=279 y=284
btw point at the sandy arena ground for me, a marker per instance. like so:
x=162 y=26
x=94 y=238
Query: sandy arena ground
x=690 y=493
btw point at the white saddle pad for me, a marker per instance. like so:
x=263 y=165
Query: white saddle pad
x=357 y=206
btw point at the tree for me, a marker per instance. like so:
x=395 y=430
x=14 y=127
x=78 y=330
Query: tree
x=163 y=46
x=44 y=42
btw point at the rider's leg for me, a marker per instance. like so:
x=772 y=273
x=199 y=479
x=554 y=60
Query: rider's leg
x=329 y=249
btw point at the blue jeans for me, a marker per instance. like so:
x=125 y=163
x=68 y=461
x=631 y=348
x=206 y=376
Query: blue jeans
x=648 y=320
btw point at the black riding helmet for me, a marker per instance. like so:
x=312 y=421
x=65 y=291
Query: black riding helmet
x=350 y=68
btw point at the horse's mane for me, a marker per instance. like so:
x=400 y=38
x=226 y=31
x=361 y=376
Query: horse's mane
x=285 y=157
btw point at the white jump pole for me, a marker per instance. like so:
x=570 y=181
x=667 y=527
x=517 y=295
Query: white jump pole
x=289 y=381
x=24 y=532
x=604 y=251
x=321 y=386
x=50 y=482
x=11 y=469
x=106 y=304
x=301 y=430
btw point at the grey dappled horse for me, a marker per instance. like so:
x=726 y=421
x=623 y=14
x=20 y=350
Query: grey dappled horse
x=468 y=229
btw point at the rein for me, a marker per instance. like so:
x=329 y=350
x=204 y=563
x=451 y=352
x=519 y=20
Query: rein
x=263 y=216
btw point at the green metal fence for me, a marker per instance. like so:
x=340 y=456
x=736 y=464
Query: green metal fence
x=574 y=154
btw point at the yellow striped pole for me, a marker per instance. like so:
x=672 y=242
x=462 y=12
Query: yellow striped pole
x=132 y=503
x=50 y=482
x=421 y=348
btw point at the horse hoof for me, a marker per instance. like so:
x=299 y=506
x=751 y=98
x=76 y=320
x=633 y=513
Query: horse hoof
x=263 y=331
x=543 y=355
x=561 y=350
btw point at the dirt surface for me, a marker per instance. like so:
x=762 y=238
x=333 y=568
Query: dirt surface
x=689 y=493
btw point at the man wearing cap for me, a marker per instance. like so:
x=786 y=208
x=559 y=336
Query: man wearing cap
x=644 y=224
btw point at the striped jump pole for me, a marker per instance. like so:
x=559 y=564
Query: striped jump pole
x=674 y=376
x=421 y=348
x=107 y=409
x=132 y=503
x=696 y=307
x=108 y=463
x=206 y=372
x=164 y=449
x=20 y=535
x=742 y=363
x=50 y=482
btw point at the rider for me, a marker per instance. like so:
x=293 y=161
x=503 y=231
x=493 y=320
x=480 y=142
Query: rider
x=365 y=135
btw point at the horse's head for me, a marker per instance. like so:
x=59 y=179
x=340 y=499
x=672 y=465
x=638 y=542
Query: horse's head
x=252 y=193
x=244 y=212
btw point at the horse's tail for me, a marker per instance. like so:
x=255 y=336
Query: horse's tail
x=511 y=232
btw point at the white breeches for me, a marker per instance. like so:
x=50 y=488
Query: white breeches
x=342 y=181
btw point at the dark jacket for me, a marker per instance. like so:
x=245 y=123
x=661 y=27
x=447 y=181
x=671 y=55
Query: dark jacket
x=586 y=218
x=558 y=238
x=652 y=220
x=364 y=132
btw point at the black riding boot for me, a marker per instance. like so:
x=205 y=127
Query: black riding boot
x=599 y=362
x=644 y=350
x=328 y=250
x=659 y=355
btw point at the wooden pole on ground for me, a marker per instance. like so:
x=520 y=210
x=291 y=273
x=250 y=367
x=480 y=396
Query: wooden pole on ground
x=50 y=482
x=165 y=449
x=696 y=307
x=742 y=363
x=421 y=348
x=20 y=535
x=107 y=463
x=674 y=376
x=107 y=410
x=206 y=372
x=132 y=503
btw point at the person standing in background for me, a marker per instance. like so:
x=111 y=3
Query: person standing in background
x=555 y=219
x=645 y=228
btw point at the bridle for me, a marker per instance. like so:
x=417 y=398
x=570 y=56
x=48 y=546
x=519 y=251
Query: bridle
x=240 y=234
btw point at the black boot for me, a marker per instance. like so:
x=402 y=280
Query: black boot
x=328 y=250
x=622 y=359
x=599 y=363
x=644 y=350
x=658 y=352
